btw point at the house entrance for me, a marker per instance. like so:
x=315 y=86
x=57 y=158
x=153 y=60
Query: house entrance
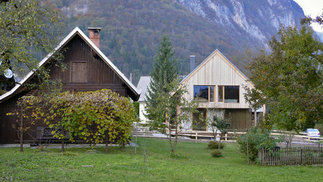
x=199 y=122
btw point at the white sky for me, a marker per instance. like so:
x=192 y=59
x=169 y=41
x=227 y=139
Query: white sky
x=312 y=8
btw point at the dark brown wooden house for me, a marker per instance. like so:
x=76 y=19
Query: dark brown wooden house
x=88 y=69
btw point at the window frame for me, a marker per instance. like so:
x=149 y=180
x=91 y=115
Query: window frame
x=209 y=93
x=223 y=93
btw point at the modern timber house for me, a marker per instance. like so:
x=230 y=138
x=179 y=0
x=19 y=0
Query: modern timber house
x=87 y=69
x=218 y=87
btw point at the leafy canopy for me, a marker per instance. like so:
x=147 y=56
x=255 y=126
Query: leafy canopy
x=290 y=79
x=220 y=124
x=28 y=30
x=92 y=117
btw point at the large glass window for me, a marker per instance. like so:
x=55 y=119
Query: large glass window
x=204 y=93
x=201 y=92
x=230 y=94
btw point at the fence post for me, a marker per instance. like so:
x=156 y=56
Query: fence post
x=301 y=156
x=21 y=110
x=196 y=135
x=262 y=156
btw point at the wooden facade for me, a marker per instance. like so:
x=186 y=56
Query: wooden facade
x=215 y=73
x=87 y=69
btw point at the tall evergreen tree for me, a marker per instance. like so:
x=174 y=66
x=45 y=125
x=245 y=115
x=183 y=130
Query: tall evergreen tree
x=164 y=72
x=165 y=99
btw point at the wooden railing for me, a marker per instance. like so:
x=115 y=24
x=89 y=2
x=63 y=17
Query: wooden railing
x=232 y=135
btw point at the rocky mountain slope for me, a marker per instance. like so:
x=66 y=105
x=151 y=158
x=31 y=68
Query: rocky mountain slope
x=131 y=29
x=260 y=19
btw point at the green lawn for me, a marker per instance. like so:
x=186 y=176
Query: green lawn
x=194 y=163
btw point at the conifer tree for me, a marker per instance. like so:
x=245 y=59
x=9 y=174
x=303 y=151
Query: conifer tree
x=164 y=72
x=165 y=99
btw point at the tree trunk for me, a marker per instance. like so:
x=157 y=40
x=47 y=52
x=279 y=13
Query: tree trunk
x=248 y=148
x=63 y=145
x=290 y=140
x=106 y=143
x=176 y=133
x=21 y=129
x=63 y=132
x=169 y=131
x=214 y=134
x=255 y=116
x=264 y=111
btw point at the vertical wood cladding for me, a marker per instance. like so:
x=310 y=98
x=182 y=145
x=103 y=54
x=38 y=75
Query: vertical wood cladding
x=239 y=118
x=86 y=71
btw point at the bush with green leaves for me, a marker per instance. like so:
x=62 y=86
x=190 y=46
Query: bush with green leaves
x=93 y=117
x=254 y=140
x=216 y=153
x=215 y=145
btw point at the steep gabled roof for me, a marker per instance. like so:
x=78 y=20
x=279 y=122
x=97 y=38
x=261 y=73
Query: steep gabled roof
x=142 y=86
x=75 y=31
x=208 y=59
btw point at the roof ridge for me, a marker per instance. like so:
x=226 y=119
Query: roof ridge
x=75 y=31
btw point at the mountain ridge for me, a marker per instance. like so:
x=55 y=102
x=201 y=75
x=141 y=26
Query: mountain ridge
x=131 y=29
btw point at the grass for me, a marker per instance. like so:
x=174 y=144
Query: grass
x=192 y=162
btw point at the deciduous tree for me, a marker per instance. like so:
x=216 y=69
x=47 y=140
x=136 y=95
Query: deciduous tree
x=290 y=78
x=28 y=31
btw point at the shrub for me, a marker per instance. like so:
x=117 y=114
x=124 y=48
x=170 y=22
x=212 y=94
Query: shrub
x=93 y=117
x=178 y=155
x=215 y=145
x=216 y=153
x=257 y=139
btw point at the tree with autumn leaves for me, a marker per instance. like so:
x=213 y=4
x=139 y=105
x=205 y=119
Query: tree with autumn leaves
x=92 y=117
x=289 y=80
x=29 y=29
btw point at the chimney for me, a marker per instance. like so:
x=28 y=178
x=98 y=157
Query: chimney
x=192 y=62
x=94 y=35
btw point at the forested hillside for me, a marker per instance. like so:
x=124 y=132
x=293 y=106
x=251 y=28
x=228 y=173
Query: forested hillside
x=131 y=29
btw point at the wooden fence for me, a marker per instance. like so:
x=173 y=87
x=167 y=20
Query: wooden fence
x=291 y=156
x=232 y=135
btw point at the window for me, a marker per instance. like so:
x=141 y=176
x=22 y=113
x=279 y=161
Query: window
x=201 y=92
x=78 y=72
x=230 y=94
x=204 y=93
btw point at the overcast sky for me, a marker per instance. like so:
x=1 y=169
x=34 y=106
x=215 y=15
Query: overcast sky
x=312 y=8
